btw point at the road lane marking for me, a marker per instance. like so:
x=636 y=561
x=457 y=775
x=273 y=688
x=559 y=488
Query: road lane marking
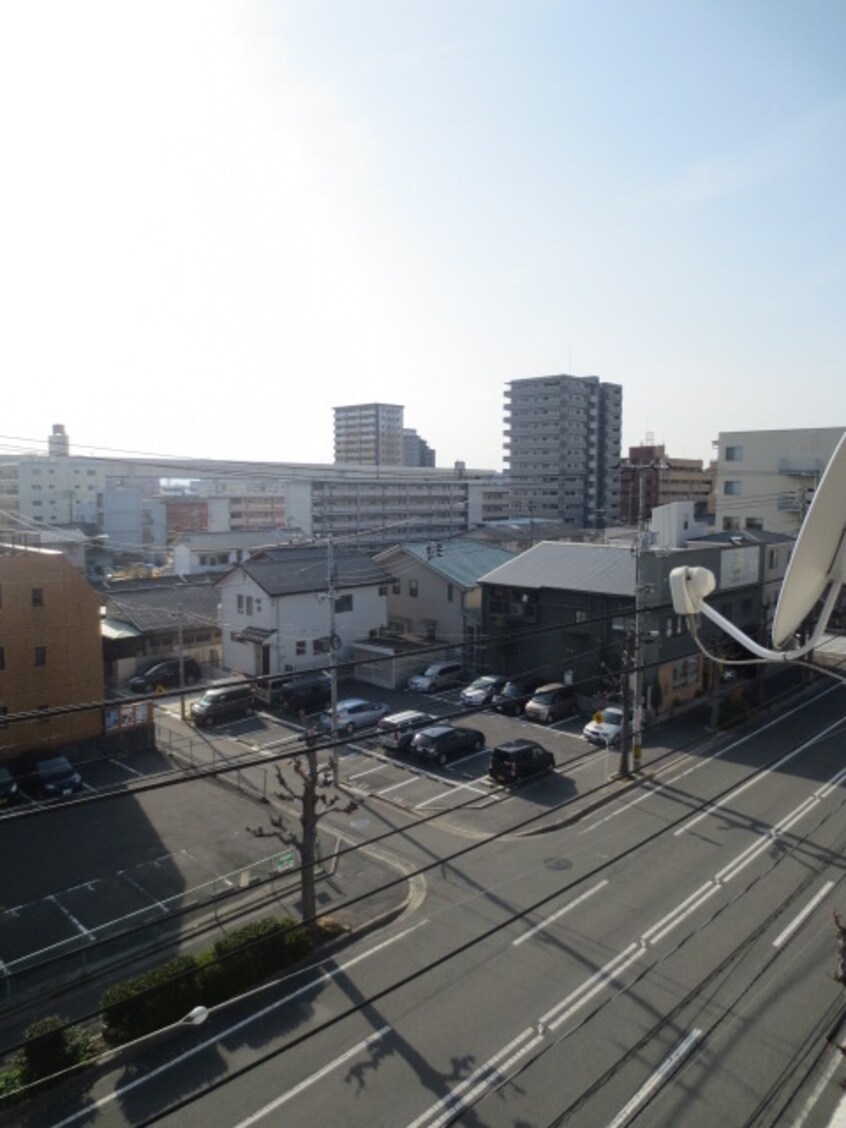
x=259 y=1114
x=551 y=919
x=592 y=986
x=661 y=1074
x=458 y=1098
x=760 y=777
x=324 y=977
x=681 y=912
x=785 y=935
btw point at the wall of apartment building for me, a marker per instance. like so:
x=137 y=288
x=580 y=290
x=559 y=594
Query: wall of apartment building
x=766 y=479
x=51 y=652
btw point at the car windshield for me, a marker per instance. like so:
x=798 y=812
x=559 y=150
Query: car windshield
x=513 y=689
x=613 y=716
x=57 y=768
x=546 y=697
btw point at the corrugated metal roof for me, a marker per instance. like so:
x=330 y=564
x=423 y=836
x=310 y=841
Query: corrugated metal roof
x=603 y=568
x=462 y=562
x=291 y=571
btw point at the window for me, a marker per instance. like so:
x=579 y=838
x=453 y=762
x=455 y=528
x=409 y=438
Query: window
x=731 y=524
x=731 y=488
x=754 y=522
x=320 y=646
x=300 y=647
x=41 y=655
x=38 y=597
x=248 y=605
x=734 y=454
x=581 y=616
x=450 y=593
x=344 y=603
x=412 y=588
x=396 y=588
x=383 y=589
x=240 y=604
x=686 y=672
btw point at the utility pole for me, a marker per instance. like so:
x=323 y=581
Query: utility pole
x=637 y=718
x=331 y=595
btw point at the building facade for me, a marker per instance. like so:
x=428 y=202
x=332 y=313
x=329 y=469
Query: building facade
x=650 y=478
x=369 y=434
x=415 y=450
x=562 y=448
x=51 y=653
x=766 y=479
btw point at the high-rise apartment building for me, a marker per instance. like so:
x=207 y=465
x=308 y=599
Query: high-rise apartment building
x=416 y=451
x=562 y=448
x=369 y=434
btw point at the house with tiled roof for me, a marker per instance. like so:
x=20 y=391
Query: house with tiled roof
x=158 y=618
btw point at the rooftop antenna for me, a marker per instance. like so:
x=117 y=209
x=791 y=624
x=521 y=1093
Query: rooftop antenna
x=818 y=563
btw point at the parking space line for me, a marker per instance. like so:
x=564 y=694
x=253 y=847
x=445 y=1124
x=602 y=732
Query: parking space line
x=126 y=768
x=451 y=791
x=144 y=892
x=78 y=925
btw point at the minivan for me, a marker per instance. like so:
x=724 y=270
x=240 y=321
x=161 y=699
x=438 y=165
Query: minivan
x=519 y=759
x=439 y=675
x=224 y=704
x=300 y=693
x=396 y=731
x=165 y=674
x=550 y=703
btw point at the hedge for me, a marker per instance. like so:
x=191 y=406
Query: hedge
x=165 y=994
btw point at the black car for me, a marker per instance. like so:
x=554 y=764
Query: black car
x=519 y=759
x=57 y=777
x=224 y=703
x=9 y=793
x=165 y=675
x=442 y=743
x=511 y=699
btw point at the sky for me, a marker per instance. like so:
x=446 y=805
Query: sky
x=220 y=220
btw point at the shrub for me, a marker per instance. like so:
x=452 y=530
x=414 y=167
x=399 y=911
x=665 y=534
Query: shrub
x=164 y=995
x=147 y=1002
x=50 y=1047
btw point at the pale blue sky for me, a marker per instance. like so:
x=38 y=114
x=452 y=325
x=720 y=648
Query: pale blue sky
x=221 y=220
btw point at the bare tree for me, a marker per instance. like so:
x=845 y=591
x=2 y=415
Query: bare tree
x=310 y=792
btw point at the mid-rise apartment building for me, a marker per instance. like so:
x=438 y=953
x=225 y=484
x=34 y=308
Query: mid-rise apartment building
x=766 y=479
x=369 y=434
x=650 y=478
x=51 y=651
x=562 y=448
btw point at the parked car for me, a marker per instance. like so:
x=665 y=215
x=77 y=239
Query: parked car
x=605 y=728
x=396 y=731
x=443 y=742
x=227 y=703
x=480 y=692
x=439 y=675
x=550 y=703
x=354 y=713
x=519 y=759
x=57 y=777
x=302 y=693
x=9 y=793
x=165 y=675
x=511 y=699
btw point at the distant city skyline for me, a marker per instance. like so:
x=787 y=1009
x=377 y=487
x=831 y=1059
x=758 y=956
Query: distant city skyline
x=220 y=221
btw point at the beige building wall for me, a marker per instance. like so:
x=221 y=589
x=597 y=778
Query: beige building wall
x=766 y=479
x=51 y=653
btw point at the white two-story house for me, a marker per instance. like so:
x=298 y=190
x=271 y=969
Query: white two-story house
x=276 y=614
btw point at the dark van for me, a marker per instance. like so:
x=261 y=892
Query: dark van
x=224 y=704
x=297 y=693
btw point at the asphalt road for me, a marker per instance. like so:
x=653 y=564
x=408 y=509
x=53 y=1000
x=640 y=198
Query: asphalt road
x=666 y=959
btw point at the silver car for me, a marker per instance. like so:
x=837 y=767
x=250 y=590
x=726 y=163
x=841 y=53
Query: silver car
x=354 y=713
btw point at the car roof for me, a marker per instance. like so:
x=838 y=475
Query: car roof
x=436 y=730
x=517 y=746
x=347 y=702
x=405 y=715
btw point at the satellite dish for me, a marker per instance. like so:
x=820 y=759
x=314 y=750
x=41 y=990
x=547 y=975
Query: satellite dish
x=818 y=561
x=818 y=558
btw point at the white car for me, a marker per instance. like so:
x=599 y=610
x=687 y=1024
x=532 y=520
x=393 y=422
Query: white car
x=605 y=728
x=354 y=713
x=480 y=691
x=439 y=675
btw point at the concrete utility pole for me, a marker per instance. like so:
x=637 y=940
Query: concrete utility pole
x=331 y=595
